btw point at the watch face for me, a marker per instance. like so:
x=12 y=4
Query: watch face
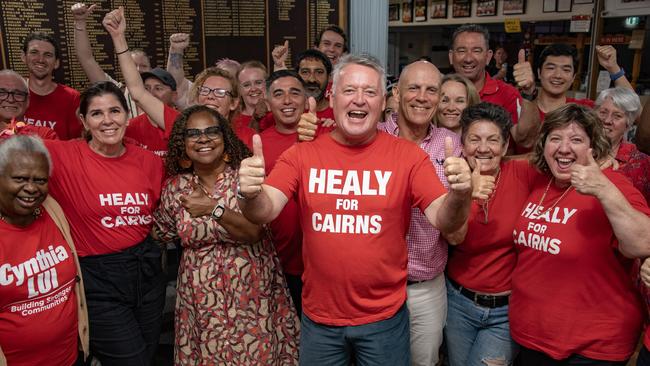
x=218 y=212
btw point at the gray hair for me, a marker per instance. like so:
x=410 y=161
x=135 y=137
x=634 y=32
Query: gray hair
x=471 y=28
x=623 y=98
x=11 y=72
x=363 y=60
x=22 y=144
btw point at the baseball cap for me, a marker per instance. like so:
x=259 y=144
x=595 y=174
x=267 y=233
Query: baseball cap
x=162 y=75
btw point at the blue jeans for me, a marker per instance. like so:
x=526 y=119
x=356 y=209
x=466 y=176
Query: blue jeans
x=385 y=342
x=475 y=333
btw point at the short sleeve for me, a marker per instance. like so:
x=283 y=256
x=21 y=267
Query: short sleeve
x=425 y=184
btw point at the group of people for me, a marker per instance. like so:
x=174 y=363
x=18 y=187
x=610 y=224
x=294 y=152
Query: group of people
x=398 y=221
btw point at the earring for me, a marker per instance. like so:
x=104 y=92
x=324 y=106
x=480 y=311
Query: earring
x=185 y=163
x=226 y=158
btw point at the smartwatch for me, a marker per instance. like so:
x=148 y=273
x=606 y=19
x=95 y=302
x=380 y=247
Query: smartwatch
x=218 y=211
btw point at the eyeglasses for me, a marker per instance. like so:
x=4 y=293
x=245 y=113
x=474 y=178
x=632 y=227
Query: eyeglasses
x=19 y=96
x=217 y=92
x=212 y=133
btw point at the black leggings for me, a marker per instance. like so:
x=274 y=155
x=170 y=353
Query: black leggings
x=125 y=293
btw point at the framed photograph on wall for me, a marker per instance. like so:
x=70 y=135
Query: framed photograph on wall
x=583 y=1
x=511 y=7
x=438 y=9
x=407 y=12
x=420 y=10
x=393 y=12
x=461 y=8
x=563 y=6
x=486 y=8
x=549 y=6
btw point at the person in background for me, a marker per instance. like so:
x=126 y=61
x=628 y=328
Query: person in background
x=557 y=67
x=43 y=318
x=498 y=68
x=90 y=66
x=469 y=54
x=456 y=94
x=617 y=109
x=286 y=97
x=575 y=237
x=51 y=104
x=333 y=42
x=178 y=42
x=642 y=137
x=232 y=305
x=251 y=79
x=14 y=99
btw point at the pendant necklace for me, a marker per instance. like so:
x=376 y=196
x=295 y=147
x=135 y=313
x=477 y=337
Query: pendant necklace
x=566 y=191
x=485 y=205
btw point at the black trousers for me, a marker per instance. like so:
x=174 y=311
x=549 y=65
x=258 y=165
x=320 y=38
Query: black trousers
x=529 y=357
x=125 y=293
x=644 y=357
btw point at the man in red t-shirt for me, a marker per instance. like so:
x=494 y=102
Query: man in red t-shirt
x=160 y=84
x=355 y=207
x=469 y=54
x=556 y=70
x=14 y=99
x=51 y=104
x=285 y=95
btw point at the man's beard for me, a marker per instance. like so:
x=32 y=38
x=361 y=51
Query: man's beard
x=316 y=95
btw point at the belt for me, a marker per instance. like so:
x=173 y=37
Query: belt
x=488 y=301
x=409 y=282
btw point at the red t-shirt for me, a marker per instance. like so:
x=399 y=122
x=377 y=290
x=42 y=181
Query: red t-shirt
x=268 y=120
x=586 y=102
x=355 y=207
x=485 y=260
x=286 y=230
x=57 y=110
x=241 y=129
x=38 y=306
x=572 y=292
x=149 y=136
x=23 y=129
x=507 y=96
x=108 y=201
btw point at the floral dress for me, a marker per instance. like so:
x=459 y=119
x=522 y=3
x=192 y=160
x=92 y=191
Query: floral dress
x=232 y=305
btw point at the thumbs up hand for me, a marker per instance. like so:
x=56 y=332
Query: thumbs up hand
x=523 y=74
x=588 y=178
x=457 y=171
x=483 y=185
x=251 y=171
x=308 y=122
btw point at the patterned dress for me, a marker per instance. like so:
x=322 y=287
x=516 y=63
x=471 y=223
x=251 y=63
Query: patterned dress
x=232 y=306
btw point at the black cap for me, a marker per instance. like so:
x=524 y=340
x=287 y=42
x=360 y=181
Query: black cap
x=163 y=75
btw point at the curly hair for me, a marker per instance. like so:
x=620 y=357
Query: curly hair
x=232 y=145
x=564 y=116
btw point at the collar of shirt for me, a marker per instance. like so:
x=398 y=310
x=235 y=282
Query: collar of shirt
x=391 y=127
x=625 y=152
x=490 y=86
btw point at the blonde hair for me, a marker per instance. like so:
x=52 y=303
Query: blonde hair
x=208 y=73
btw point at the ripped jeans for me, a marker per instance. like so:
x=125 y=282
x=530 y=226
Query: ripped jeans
x=477 y=335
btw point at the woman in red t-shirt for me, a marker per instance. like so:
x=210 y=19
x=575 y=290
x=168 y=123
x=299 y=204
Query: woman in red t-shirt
x=572 y=300
x=480 y=267
x=108 y=189
x=232 y=305
x=42 y=321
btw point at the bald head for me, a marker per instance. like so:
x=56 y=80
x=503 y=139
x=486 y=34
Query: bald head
x=418 y=92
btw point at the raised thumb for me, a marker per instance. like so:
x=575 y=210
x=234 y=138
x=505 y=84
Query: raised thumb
x=477 y=167
x=257 y=147
x=312 y=105
x=521 y=57
x=449 y=147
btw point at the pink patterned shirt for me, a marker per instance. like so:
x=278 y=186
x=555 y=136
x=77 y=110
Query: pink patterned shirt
x=427 y=251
